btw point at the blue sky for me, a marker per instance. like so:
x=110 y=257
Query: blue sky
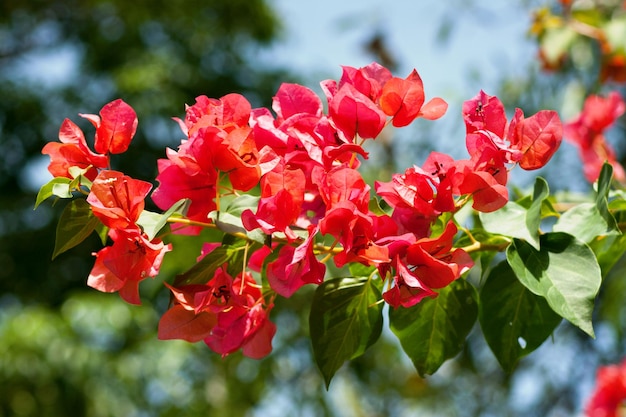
x=488 y=41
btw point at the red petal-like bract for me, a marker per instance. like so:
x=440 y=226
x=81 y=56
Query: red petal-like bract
x=537 y=137
x=403 y=99
x=295 y=267
x=115 y=127
x=117 y=199
x=484 y=112
x=355 y=114
x=228 y=314
x=291 y=99
x=129 y=260
x=181 y=323
x=72 y=152
x=408 y=290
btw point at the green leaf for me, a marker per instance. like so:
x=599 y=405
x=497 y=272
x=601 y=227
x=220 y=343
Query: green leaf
x=514 y=220
x=588 y=220
x=514 y=321
x=76 y=223
x=228 y=219
x=203 y=271
x=359 y=270
x=152 y=223
x=533 y=216
x=585 y=222
x=435 y=329
x=565 y=272
x=345 y=319
x=58 y=186
x=510 y=221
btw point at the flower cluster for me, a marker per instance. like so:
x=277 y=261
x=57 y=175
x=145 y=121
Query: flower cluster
x=313 y=204
x=116 y=199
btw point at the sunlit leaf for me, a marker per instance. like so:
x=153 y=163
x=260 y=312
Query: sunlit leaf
x=59 y=186
x=587 y=221
x=435 y=329
x=152 y=223
x=345 y=319
x=514 y=220
x=565 y=272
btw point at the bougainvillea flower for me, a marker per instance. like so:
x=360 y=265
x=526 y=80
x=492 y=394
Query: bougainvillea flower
x=403 y=99
x=294 y=99
x=355 y=114
x=407 y=290
x=72 y=151
x=232 y=152
x=282 y=195
x=434 y=262
x=343 y=183
x=368 y=80
x=530 y=142
x=117 y=199
x=418 y=197
x=228 y=314
x=295 y=267
x=185 y=175
x=485 y=112
x=586 y=131
x=115 y=127
x=609 y=396
x=121 y=266
x=427 y=264
x=355 y=231
x=488 y=194
x=537 y=137
x=229 y=112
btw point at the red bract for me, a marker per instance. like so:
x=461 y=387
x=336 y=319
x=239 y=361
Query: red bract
x=233 y=152
x=130 y=259
x=586 y=131
x=408 y=290
x=404 y=101
x=609 y=397
x=484 y=112
x=356 y=232
x=228 y=314
x=295 y=267
x=368 y=80
x=530 y=142
x=427 y=264
x=229 y=112
x=115 y=127
x=537 y=137
x=117 y=199
x=352 y=103
x=282 y=195
x=343 y=183
x=294 y=99
x=185 y=174
x=355 y=114
x=417 y=197
x=72 y=152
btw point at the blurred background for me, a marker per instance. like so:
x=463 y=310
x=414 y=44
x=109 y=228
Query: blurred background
x=68 y=350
